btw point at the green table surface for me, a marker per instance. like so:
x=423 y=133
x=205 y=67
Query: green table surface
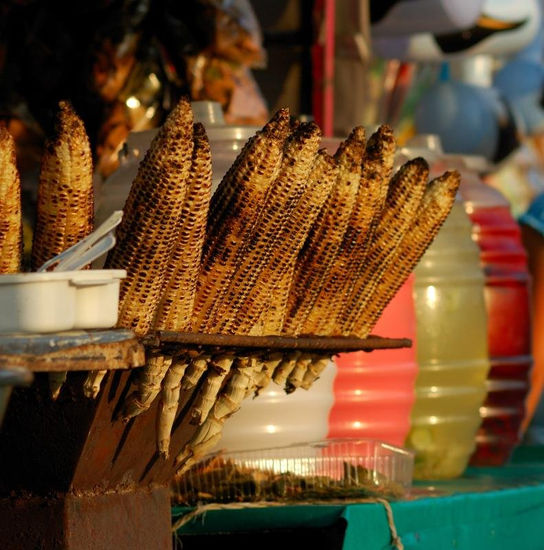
x=488 y=508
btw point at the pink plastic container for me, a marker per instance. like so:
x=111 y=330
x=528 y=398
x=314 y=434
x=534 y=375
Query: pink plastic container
x=374 y=392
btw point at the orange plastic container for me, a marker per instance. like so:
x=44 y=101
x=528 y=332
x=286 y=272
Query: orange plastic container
x=374 y=392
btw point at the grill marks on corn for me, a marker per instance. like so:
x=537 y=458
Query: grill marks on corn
x=320 y=250
x=149 y=230
x=65 y=205
x=268 y=290
x=182 y=271
x=405 y=194
x=11 y=232
x=435 y=207
x=375 y=173
x=234 y=210
x=280 y=202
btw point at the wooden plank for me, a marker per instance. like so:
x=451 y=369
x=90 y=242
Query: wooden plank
x=72 y=351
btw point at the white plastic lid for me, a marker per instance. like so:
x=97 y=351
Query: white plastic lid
x=87 y=275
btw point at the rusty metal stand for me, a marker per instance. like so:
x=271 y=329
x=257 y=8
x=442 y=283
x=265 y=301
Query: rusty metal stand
x=73 y=475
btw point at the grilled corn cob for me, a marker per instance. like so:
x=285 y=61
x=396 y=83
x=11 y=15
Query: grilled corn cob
x=178 y=295
x=282 y=255
x=236 y=308
x=149 y=231
x=335 y=287
x=405 y=194
x=174 y=312
x=234 y=209
x=320 y=250
x=65 y=206
x=11 y=236
x=176 y=303
x=433 y=210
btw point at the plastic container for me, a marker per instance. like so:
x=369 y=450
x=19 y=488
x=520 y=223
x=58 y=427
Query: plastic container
x=507 y=298
x=275 y=419
x=37 y=302
x=97 y=297
x=451 y=351
x=374 y=392
x=322 y=470
x=59 y=301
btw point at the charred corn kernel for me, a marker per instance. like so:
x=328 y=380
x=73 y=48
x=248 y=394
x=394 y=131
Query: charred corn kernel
x=340 y=278
x=402 y=202
x=149 y=231
x=169 y=404
x=148 y=385
x=284 y=195
x=314 y=370
x=65 y=205
x=11 y=228
x=435 y=207
x=320 y=250
x=276 y=130
x=176 y=305
x=273 y=316
x=234 y=209
x=267 y=290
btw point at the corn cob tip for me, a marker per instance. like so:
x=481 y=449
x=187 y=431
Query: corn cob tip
x=68 y=124
x=418 y=163
x=4 y=134
x=179 y=122
x=380 y=142
x=307 y=130
x=7 y=144
x=279 y=125
x=449 y=183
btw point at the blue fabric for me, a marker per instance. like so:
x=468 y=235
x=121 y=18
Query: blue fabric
x=534 y=217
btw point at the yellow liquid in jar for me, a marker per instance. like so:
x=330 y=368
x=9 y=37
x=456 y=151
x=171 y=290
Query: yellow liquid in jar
x=451 y=351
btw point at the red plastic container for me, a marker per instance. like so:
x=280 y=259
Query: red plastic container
x=374 y=392
x=509 y=321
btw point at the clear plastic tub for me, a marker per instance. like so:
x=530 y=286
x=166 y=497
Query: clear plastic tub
x=348 y=469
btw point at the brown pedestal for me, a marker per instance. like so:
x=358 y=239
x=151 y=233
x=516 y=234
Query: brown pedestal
x=135 y=520
x=72 y=476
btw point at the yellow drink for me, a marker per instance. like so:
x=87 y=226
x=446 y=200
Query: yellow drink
x=451 y=351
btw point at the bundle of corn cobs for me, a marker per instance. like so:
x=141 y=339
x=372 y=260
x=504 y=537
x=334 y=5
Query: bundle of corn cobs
x=294 y=241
